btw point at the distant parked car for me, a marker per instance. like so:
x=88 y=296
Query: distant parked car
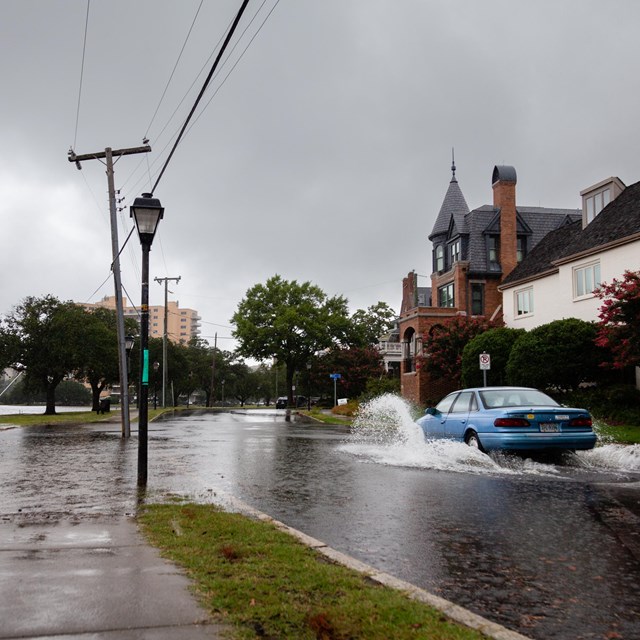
x=508 y=418
x=281 y=403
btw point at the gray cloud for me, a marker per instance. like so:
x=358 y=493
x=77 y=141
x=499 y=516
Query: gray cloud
x=324 y=157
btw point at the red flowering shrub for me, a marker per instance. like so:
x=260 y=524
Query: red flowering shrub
x=619 y=326
x=444 y=343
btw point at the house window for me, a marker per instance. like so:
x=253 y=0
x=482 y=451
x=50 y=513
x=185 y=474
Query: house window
x=524 y=302
x=440 y=258
x=521 y=248
x=494 y=252
x=596 y=203
x=455 y=251
x=586 y=279
x=445 y=295
x=477 y=299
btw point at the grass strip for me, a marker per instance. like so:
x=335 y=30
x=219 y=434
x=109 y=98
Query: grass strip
x=68 y=417
x=264 y=583
x=621 y=434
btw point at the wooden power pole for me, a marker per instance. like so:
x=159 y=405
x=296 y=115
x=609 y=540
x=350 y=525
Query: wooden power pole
x=165 y=335
x=108 y=154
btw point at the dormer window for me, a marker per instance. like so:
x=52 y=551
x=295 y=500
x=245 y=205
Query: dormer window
x=598 y=196
x=493 y=247
x=455 y=251
x=596 y=203
x=521 y=248
x=439 y=258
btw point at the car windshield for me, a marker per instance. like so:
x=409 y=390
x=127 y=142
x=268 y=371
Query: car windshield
x=494 y=398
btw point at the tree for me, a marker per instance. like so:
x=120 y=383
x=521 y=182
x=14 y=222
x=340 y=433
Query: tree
x=46 y=339
x=290 y=322
x=100 y=354
x=355 y=365
x=497 y=343
x=619 y=326
x=444 y=343
x=368 y=326
x=558 y=355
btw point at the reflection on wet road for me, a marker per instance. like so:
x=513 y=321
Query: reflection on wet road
x=546 y=550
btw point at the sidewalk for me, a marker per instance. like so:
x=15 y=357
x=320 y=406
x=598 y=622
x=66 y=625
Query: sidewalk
x=92 y=578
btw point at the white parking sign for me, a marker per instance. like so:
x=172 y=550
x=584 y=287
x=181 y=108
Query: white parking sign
x=485 y=362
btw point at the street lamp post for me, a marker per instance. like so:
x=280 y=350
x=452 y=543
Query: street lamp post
x=147 y=213
x=222 y=393
x=308 y=386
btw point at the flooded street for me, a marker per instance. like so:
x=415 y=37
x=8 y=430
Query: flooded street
x=548 y=548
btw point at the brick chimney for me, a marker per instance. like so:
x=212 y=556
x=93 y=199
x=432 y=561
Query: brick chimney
x=409 y=292
x=504 y=198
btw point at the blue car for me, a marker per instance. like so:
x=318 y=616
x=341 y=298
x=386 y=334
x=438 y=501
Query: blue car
x=508 y=418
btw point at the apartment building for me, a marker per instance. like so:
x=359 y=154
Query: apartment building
x=182 y=324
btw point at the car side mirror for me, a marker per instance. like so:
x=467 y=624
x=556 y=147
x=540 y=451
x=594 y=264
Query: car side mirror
x=431 y=411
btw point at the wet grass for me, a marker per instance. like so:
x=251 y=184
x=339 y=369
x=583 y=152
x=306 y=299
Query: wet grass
x=62 y=417
x=264 y=583
x=623 y=434
x=70 y=417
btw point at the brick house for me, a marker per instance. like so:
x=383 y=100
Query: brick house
x=473 y=252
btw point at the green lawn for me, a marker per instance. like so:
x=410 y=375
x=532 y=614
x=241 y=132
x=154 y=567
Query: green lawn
x=622 y=434
x=264 y=583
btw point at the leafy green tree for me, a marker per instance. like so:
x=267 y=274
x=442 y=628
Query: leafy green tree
x=368 y=326
x=265 y=383
x=200 y=361
x=242 y=383
x=100 y=358
x=619 y=326
x=355 y=365
x=558 y=355
x=289 y=321
x=497 y=343
x=46 y=339
x=444 y=343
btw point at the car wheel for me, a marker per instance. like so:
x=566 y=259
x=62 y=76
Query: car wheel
x=473 y=441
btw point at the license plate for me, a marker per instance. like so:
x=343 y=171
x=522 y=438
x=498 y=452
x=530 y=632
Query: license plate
x=548 y=427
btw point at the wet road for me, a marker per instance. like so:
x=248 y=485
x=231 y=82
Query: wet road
x=549 y=551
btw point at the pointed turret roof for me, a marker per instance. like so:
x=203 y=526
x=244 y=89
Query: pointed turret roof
x=453 y=206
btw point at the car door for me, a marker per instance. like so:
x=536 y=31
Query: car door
x=433 y=423
x=458 y=416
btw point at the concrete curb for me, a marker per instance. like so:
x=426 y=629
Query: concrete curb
x=452 y=611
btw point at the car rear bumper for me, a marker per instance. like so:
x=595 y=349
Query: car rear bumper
x=538 y=441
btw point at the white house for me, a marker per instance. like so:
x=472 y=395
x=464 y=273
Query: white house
x=557 y=278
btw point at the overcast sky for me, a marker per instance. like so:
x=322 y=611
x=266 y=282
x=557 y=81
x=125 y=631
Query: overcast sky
x=325 y=155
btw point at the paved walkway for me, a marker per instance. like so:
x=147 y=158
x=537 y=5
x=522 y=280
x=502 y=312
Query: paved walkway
x=80 y=579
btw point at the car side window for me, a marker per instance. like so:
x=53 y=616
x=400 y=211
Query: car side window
x=474 y=403
x=461 y=405
x=445 y=404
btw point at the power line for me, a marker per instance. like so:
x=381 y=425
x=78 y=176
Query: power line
x=174 y=68
x=235 y=64
x=204 y=88
x=84 y=47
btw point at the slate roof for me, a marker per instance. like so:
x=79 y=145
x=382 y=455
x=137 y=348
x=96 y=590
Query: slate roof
x=533 y=222
x=552 y=247
x=455 y=207
x=618 y=220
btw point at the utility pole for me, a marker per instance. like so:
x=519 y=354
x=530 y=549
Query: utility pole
x=164 y=336
x=108 y=154
x=212 y=395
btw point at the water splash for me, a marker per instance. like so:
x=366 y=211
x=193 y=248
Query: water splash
x=617 y=457
x=385 y=432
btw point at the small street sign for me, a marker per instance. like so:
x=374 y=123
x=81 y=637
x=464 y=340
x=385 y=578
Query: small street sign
x=335 y=376
x=485 y=361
